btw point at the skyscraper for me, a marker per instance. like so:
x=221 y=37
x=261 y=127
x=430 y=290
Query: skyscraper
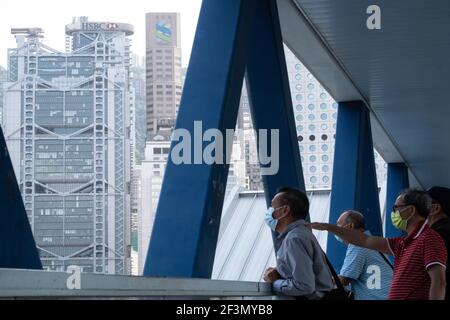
x=315 y=113
x=152 y=173
x=69 y=143
x=163 y=68
x=3 y=79
x=135 y=210
x=137 y=81
x=164 y=84
x=138 y=135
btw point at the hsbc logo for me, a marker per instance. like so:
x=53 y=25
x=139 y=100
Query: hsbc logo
x=95 y=26
x=110 y=26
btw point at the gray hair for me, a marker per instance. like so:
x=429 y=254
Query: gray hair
x=419 y=199
x=357 y=218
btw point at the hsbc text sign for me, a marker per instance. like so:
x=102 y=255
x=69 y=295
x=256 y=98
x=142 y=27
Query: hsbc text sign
x=94 y=26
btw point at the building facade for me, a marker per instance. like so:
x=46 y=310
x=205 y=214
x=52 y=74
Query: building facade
x=138 y=84
x=3 y=79
x=152 y=174
x=67 y=126
x=164 y=79
x=315 y=113
x=163 y=70
x=138 y=135
x=136 y=205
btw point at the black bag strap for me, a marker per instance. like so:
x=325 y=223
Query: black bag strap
x=387 y=260
x=334 y=274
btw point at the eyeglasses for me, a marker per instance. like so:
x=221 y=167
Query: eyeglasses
x=394 y=208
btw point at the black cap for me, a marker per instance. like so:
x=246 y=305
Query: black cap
x=441 y=195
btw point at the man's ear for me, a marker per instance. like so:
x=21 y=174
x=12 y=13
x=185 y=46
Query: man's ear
x=286 y=211
x=412 y=209
x=435 y=208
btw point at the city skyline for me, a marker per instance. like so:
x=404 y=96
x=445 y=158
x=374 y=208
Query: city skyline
x=101 y=10
x=317 y=171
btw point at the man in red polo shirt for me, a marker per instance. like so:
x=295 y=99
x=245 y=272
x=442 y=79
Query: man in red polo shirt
x=420 y=257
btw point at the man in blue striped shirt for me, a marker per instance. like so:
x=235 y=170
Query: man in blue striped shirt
x=366 y=271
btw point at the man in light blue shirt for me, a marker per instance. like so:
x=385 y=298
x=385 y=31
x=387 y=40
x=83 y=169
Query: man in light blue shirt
x=368 y=272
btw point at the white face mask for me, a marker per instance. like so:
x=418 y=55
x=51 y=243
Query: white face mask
x=339 y=239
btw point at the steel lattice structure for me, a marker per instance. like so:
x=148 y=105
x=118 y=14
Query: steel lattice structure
x=70 y=145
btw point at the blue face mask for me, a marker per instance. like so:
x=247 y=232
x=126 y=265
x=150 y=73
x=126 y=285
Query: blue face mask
x=270 y=220
x=339 y=239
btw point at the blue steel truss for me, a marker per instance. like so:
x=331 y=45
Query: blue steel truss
x=233 y=36
x=17 y=247
x=397 y=180
x=354 y=176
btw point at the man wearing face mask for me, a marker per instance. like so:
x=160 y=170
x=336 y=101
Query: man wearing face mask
x=358 y=269
x=301 y=269
x=420 y=257
x=440 y=222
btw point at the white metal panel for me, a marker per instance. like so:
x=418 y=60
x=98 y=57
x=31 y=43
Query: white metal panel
x=245 y=248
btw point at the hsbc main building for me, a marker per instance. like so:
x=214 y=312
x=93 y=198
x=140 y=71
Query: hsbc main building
x=67 y=127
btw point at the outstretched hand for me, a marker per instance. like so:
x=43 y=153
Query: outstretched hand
x=318 y=226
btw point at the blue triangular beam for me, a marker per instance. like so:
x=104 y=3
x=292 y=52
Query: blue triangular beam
x=17 y=246
x=227 y=43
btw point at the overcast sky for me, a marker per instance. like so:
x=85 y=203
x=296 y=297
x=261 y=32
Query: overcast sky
x=53 y=15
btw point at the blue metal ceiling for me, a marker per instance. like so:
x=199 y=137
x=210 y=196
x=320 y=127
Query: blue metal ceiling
x=402 y=71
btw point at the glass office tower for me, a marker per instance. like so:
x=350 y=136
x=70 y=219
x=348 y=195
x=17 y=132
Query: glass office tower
x=67 y=126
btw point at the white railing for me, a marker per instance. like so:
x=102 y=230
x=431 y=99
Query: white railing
x=35 y=284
